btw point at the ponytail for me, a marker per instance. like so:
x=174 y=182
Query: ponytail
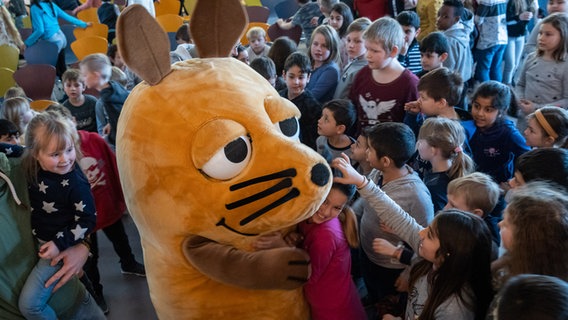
x=349 y=225
x=462 y=165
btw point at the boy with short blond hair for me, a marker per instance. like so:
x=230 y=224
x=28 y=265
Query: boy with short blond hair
x=96 y=69
x=257 y=43
x=381 y=90
x=82 y=106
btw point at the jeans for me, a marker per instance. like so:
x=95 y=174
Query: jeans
x=512 y=57
x=489 y=63
x=59 y=40
x=85 y=309
x=34 y=295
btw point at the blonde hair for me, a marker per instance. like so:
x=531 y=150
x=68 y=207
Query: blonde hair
x=12 y=109
x=98 y=62
x=256 y=32
x=448 y=136
x=119 y=76
x=387 y=32
x=10 y=27
x=331 y=41
x=43 y=128
x=478 y=190
x=15 y=92
x=349 y=225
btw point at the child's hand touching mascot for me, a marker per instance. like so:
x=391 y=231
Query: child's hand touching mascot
x=209 y=159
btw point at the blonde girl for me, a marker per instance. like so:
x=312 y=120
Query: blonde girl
x=547 y=127
x=440 y=142
x=324 y=56
x=544 y=76
x=18 y=111
x=8 y=32
x=62 y=206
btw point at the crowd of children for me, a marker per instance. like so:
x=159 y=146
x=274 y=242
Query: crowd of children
x=453 y=214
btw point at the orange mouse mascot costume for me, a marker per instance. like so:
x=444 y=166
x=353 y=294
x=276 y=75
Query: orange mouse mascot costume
x=209 y=159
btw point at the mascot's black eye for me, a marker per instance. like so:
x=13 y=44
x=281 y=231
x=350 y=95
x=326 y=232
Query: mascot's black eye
x=229 y=160
x=289 y=127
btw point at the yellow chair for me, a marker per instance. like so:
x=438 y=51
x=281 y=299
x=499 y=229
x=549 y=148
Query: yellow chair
x=253 y=3
x=89 y=45
x=89 y=15
x=96 y=29
x=169 y=22
x=265 y=26
x=10 y=57
x=6 y=80
x=41 y=105
x=167 y=7
x=189 y=5
x=27 y=21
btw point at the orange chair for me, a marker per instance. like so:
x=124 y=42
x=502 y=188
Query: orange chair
x=88 y=15
x=10 y=57
x=169 y=22
x=6 y=80
x=96 y=29
x=167 y=7
x=89 y=45
x=41 y=105
x=263 y=25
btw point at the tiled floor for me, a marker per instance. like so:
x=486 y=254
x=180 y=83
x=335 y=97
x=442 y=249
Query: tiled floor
x=127 y=295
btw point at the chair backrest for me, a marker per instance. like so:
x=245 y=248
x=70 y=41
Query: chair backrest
x=41 y=105
x=169 y=22
x=6 y=80
x=42 y=52
x=96 y=29
x=89 y=45
x=25 y=33
x=10 y=57
x=88 y=15
x=27 y=22
x=167 y=7
x=263 y=25
x=67 y=29
x=189 y=5
x=252 y=3
x=37 y=80
x=286 y=9
x=275 y=32
x=257 y=14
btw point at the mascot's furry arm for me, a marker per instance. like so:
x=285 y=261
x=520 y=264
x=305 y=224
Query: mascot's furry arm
x=281 y=268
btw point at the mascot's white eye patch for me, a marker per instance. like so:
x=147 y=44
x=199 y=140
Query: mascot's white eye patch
x=230 y=160
x=289 y=127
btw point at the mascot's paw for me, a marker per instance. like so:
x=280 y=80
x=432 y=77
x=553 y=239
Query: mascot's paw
x=280 y=268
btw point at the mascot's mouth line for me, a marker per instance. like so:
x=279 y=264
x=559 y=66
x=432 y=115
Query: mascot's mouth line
x=287 y=197
x=278 y=175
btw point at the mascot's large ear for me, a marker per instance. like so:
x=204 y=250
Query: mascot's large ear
x=216 y=26
x=143 y=44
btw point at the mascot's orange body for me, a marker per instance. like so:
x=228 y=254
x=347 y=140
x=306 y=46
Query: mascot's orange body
x=209 y=158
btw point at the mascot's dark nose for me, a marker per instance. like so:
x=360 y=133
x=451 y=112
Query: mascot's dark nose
x=320 y=174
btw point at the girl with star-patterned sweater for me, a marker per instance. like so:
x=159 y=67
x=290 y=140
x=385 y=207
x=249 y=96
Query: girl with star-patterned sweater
x=63 y=209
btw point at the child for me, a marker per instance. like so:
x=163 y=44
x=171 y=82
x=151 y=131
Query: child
x=19 y=112
x=409 y=55
x=359 y=154
x=303 y=18
x=242 y=54
x=339 y=19
x=45 y=25
x=440 y=142
x=96 y=70
x=380 y=91
x=494 y=140
x=544 y=164
x=15 y=92
x=390 y=146
x=281 y=48
x=108 y=14
x=266 y=68
x=116 y=60
x=257 y=43
x=452 y=279
x=543 y=78
x=356 y=57
x=327 y=236
x=547 y=128
x=81 y=106
x=63 y=209
x=552 y=6
x=427 y=11
x=297 y=74
x=490 y=20
x=532 y=296
x=9 y=133
x=118 y=76
x=433 y=52
x=99 y=165
x=519 y=14
x=457 y=33
x=337 y=117
x=324 y=54
x=9 y=32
